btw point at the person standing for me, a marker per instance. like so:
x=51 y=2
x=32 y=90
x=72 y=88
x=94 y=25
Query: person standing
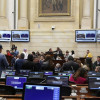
x=16 y=52
x=25 y=54
x=88 y=57
x=3 y=61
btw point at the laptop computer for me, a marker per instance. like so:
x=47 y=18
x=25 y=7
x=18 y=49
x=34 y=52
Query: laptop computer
x=24 y=72
x=16 y=81
x=41 y=92
x=57 y=80
x=93 y=73
x=48 y=73
x=36 y=75
x=6 y=72
x=65 y=74
x=94 y=83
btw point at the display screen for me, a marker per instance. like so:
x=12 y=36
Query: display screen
x=98 y=35
x=85 y=36
x=15 y=81
x=94 y=83
x=4 y=73
x=5 y=35
x=65 y=74
x=58 y=80
x=48 y=73
x=36 y=75
x=24 y=72
x=38 y=92
x=21 y=35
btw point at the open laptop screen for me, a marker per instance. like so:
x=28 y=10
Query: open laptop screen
x=16 y=81
x=59 y=80
x=41 y=92
x=4 y=73
x=94 y=83
x=36 y=74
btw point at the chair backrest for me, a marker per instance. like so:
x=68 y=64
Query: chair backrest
x=7 y=90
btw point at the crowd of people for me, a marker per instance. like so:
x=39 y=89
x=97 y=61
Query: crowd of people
x=44 y=62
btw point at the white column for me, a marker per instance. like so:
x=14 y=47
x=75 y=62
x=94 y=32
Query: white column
x=3 y=19
x=86 y=20
x=98 y=15
x=23 y=21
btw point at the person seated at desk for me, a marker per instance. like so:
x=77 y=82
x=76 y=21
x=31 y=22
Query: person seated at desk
x=37 y=64
x=66 y=55
x=48 y=64
x=97 y=69
x=58 y=52
x=79 y=77
x=96 y=63
x=29 y=65
x=70 y=65
x=19 y=63
x=50 y=52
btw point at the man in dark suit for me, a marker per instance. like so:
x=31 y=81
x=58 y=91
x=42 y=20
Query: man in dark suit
x=96 y=63
x=58 y=52
x=70 y=65
x=3 y=61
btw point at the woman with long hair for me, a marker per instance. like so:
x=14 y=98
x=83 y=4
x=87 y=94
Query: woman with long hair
x=79 y=77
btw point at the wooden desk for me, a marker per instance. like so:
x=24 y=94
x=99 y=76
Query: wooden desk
x=78 y=97
x=87 y=96
x=12 y=97
x=59 y=61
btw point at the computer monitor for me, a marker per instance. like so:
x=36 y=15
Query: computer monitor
x=65 y=74
x=5 y=35
x=20 y=35
x=94 y=83
x=36 y=74
x=7 y=72
x=90 y=73
x=16 y=81
x=69 y=72
x=41 y=92
x=58 y=80
x=24 y=72
x=46 y=73
x=85 y=35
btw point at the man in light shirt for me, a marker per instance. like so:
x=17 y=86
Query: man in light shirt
x=25 y=54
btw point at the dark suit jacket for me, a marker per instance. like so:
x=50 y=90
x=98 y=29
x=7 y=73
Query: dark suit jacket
x=28 y=65
x=95 y=64
x=71 y=65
